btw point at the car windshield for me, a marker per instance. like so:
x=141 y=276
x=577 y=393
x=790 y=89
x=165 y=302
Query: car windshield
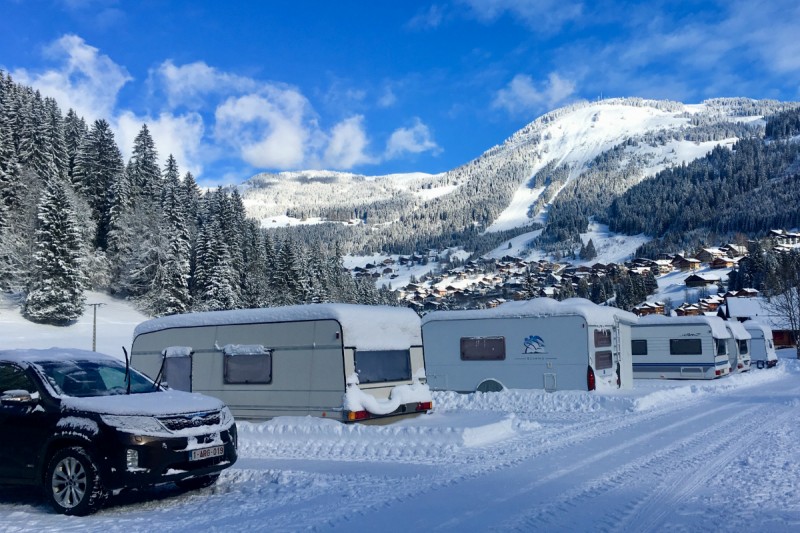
x=84 y=378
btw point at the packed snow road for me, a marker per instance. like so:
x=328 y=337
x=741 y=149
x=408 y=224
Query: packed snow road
x=676 y=456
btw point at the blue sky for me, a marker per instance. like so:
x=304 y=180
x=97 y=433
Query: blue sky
x=233 y=88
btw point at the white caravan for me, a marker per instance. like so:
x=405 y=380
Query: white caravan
x=535 y=344
x=347 y=362
x=762 y=349
x=738 y=346
x=685 y=347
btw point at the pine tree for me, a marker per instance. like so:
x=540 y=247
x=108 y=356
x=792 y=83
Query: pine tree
x=169 y=291
x=97 y=167
x=55 y=293
x=144 y=174
x=75 y=131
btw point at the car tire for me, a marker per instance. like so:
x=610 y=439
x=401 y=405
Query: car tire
x=200 y=482
x=72 y=482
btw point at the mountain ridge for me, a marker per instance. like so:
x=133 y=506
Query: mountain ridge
x=603 y=147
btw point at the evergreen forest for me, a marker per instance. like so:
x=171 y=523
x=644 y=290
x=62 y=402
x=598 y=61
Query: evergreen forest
x=75 y=217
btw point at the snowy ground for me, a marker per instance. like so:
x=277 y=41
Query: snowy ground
x=667 y=455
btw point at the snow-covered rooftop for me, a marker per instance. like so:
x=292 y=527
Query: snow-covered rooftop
x=717 y=325
x=539 y=307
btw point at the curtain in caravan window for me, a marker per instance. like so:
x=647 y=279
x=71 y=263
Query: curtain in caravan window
x=603 y=360
x=685 y=347
x=247 y=363
x=380 y=366
x=178 y=368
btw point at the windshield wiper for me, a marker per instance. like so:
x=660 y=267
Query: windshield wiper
x=160 y=375
x=127 y=371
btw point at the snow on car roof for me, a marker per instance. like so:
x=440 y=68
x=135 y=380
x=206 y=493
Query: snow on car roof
x=540 y=307
x=30 y=355
x=367 y=327
x=717 y=325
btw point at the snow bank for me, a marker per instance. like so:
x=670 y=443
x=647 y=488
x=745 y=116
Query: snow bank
x=367 y=327
x=357 y=400
x=425 y=438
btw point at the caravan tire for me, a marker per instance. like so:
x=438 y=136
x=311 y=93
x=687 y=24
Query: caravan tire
x=490 y=385
x=759 y=364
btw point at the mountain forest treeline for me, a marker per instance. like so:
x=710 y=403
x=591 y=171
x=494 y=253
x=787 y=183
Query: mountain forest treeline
x=74 y=217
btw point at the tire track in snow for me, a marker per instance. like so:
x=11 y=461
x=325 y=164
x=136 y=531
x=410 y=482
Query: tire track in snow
x=616 y=486
x=682 y=468
x=485 y=462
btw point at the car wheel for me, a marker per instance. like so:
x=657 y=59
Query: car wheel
x=72 y=482
x=194 y=483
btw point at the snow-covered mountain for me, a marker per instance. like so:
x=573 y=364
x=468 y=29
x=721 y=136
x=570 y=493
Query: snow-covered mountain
x=596 y=150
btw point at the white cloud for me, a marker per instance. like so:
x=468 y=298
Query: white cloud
x=522 y=95
x=272 y=129
x=347 y=145
x=541 y=16
x=388 y=98
x=85 y=80
x=189 y=84
x=181 y=136
x=414 y=140
x=428 y=19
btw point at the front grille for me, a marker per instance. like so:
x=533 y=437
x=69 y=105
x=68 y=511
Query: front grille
x=193 y=420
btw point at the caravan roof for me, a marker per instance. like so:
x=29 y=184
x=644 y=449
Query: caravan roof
x=366 y=327
x=717 y=325
x=738 y=330
x=593 y=313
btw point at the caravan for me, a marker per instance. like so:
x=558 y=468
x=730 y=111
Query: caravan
x=536 y=344
x=762 y=349
x=686 y=347
x=738 y=346
x=341 y=361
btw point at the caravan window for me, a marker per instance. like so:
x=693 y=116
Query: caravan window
x=685 y=347
x=603 y=360
x=483 y=348
x=246 y=364
x=384 y=365
x=639 y=347
x=602 y=338
x=722 y=347
x=743 y=349
x=178 y=367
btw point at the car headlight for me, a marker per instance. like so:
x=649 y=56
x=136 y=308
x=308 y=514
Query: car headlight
x=225 y=416
x=134 y=424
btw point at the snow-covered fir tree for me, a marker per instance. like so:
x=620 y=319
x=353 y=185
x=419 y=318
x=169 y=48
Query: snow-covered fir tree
x=56 y=287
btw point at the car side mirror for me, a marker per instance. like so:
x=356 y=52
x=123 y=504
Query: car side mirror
x=19 y=397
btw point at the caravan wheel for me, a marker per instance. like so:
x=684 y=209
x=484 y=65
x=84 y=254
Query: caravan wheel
x=490 y=385
x=759 y=364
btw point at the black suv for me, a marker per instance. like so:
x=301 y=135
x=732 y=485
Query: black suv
x=83 y=424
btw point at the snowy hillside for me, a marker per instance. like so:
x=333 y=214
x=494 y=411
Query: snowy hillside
x=611 y=145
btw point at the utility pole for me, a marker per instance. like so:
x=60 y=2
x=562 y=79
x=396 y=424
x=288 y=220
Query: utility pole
x=94 y=325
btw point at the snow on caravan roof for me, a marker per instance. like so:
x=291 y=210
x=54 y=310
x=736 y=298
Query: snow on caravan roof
x=738 y=330
x=367 y=327
x=593 y=313
x=717 y=325
x=754 y=325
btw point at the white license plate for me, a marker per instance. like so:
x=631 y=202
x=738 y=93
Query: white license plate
x=206 y=453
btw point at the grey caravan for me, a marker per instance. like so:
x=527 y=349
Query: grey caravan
x=340 y=361
x=738 y=347
x=683 y=347
x=762 y=349
x=534 y=344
